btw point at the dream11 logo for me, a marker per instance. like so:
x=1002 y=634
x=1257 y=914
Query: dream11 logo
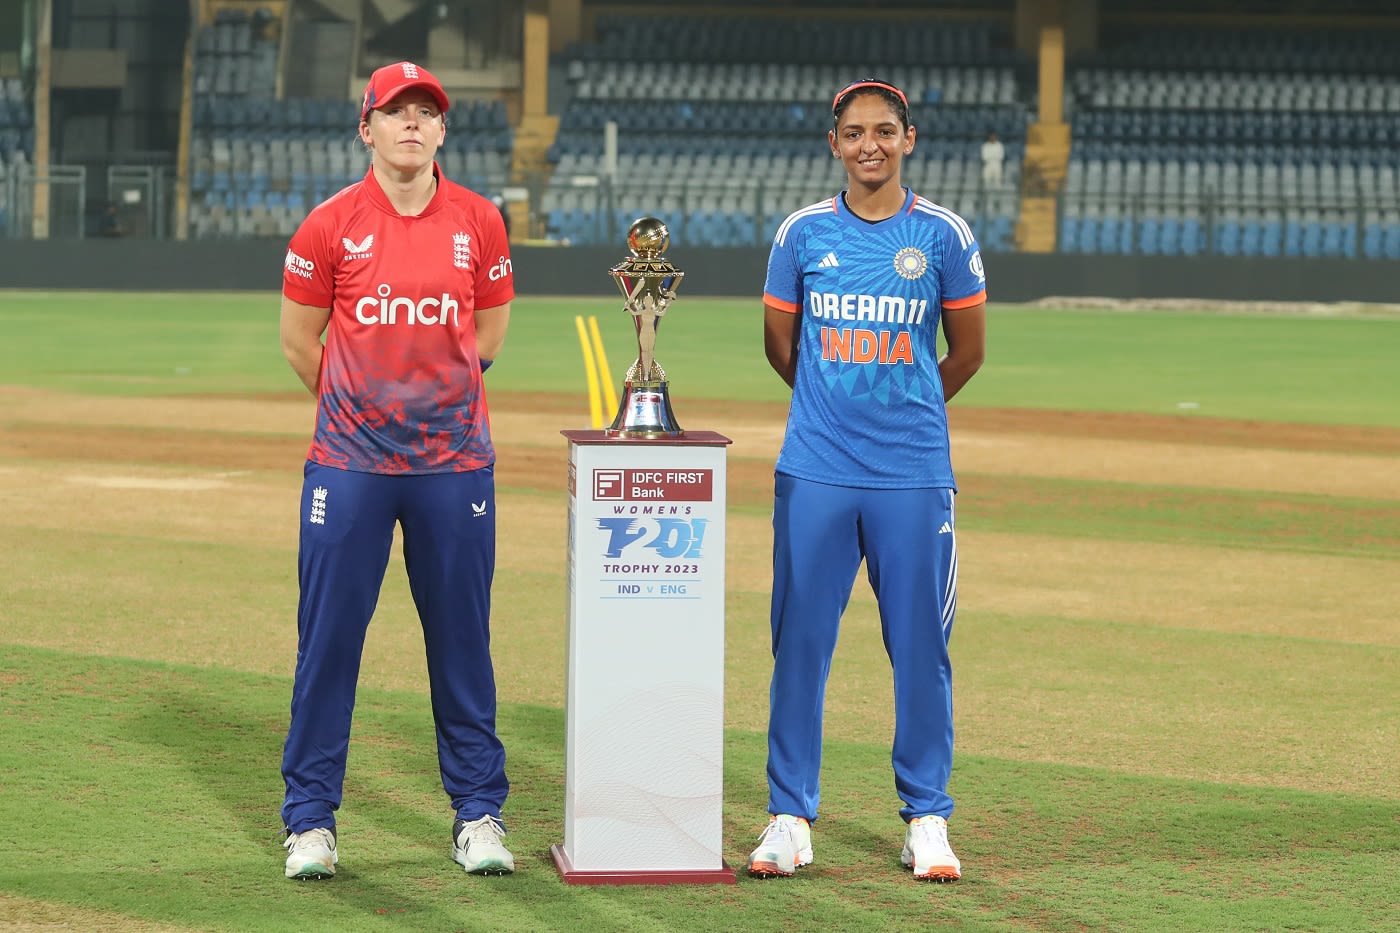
x=670 y=538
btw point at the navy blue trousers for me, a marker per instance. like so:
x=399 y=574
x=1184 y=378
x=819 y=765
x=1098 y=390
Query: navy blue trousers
x=449 y=546
x=820 y=535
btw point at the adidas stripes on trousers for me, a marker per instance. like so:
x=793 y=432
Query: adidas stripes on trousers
x=820 y=535
x=449 y=548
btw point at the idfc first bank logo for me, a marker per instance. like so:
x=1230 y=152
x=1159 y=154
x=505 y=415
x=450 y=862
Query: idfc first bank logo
x=643 y=513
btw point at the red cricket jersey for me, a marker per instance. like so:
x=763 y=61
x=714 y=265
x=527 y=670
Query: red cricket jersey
x=400 y=387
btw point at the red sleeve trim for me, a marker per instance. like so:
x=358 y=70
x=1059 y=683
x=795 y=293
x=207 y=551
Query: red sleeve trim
x=495 y=298
x=305 y=296
x=778 y=304
x=956 y=303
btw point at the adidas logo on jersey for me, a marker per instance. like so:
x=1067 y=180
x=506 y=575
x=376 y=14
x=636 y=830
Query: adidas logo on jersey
x=947 y=529
x=829 y=261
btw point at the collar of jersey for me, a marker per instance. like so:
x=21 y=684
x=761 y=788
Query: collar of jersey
x=860 y=223
x=381 y=200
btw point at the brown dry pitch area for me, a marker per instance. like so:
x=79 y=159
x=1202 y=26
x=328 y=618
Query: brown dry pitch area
x=223 y=472
x=270 y=433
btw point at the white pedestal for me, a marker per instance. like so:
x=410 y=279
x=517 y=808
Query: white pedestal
x=643 y=757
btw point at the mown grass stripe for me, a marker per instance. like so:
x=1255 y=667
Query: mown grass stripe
x=1123 y=511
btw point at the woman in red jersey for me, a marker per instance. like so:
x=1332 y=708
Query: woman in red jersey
x=396 y=297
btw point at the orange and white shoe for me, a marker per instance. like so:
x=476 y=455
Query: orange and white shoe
x=926 y=850
x=784 y=846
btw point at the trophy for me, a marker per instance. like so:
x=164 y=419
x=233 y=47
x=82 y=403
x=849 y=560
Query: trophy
x=648 y=283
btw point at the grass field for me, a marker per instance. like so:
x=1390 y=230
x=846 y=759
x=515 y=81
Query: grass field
x=1177 y=654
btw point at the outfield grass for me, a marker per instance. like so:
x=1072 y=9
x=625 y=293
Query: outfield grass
x=164 y=773
x=1315 y=370
x=1176 y=696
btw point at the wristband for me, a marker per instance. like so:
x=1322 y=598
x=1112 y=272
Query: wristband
x=486 y=364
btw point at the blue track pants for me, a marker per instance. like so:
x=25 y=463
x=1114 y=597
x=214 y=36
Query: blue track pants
x=449 y=545
x=820 y=535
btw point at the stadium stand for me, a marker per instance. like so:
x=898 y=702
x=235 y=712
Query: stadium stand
x=16 y=145
x=1187 y=139
x=722 y=142
x=258 y=164
x=1235 y=142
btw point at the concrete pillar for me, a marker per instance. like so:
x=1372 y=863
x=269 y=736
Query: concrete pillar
x=1079 y=19
x=1052 y=67
x=534 y=77
x=43 y=79
x=565 y=23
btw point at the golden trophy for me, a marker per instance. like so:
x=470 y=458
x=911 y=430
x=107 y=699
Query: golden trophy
x=648 y=283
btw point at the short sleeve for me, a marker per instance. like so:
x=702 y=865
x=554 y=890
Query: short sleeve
x=783 y=287
x=964 y=281
x=495 y=276
x=307 y=274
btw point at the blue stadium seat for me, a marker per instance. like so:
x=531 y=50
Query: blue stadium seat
x=1271 y=237
x=1373 y=240
x=1089 y=235
x=1149 y=237
x=1108 y=235
x=1227 y=237
x=1192 y=238
x=1170 y=236
x=1293 y=236
x=1312 y=237
x=1251 y=237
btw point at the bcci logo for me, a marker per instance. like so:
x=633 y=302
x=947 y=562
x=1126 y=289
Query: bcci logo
x=910 y=263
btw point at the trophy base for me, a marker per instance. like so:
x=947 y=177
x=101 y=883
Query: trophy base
x=645 y=411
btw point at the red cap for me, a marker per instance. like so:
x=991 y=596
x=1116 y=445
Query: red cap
x=392 y=80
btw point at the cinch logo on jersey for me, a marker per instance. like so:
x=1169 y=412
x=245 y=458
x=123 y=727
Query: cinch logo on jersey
x=877 y=309
x=387 y=309
x=668 y=537
x=500 y=270
x=299 y=266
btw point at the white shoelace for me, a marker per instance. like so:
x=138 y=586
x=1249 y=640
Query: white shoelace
x=935 y=835
x=487 y=829
x=318 y=836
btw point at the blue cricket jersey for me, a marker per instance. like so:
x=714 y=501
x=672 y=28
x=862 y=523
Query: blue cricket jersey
x=867 y=403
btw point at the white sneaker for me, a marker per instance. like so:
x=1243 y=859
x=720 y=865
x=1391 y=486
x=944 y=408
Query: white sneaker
x=784 y=846
x=926 y=850
x=477 y=847
x=311 y=854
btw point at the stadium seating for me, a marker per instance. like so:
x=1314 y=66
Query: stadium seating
x=258 y=164
x=1272 y=142
x=722 y=142
x=16 y=145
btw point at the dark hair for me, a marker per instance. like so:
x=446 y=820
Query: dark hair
x=892 y=95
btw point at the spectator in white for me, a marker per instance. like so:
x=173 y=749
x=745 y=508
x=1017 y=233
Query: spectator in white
x=993 y=154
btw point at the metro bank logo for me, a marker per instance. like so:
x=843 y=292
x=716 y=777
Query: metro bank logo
x=653 y=485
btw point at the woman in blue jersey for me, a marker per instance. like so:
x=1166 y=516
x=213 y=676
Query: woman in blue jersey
x=858 y=287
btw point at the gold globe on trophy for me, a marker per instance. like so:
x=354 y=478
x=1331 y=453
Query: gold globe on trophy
x=648 y=282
